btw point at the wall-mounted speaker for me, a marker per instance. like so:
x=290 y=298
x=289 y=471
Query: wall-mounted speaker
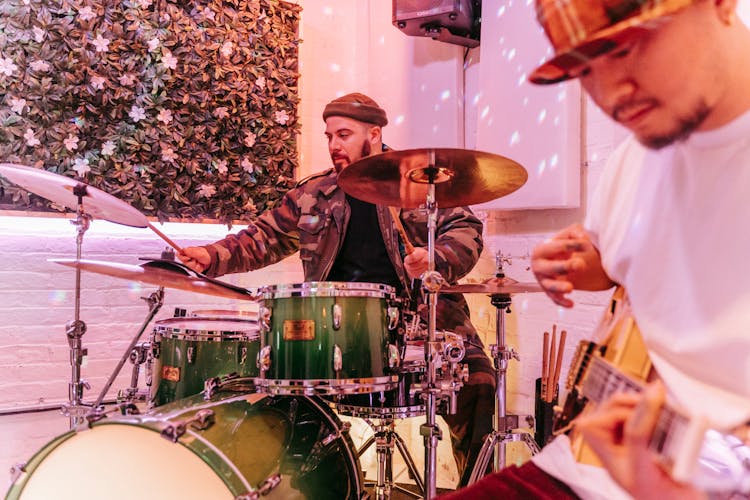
x=451 y=21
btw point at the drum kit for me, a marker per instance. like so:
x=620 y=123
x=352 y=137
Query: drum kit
x=241 y=404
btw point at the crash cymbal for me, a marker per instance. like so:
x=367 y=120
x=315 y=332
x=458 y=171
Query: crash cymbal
x=59 y=189
x=493 y=286
x=162 y=273
x=461 y=177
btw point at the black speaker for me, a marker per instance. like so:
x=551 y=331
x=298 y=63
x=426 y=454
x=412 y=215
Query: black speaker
x=451 y=21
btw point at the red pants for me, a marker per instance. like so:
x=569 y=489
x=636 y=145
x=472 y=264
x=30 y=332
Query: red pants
x=522 y=483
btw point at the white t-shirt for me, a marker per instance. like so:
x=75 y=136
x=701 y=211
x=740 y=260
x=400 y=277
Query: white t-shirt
x=673 y=227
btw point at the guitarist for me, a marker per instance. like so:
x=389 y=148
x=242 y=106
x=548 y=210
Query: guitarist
x=669 y=222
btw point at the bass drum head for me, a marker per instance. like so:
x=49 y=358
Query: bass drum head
x=251 y=441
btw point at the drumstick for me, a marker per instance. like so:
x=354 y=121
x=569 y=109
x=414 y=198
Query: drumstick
x=400 y=229
x=165 y=238
x=550 y=388
x=560 y=350
x=545 y=366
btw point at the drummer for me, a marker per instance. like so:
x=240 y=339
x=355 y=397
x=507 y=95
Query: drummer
x=337 y=239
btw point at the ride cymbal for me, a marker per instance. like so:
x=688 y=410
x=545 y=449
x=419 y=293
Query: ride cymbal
x=164 y=273
x=64 y=191
x=461 y=177
x=493 y=286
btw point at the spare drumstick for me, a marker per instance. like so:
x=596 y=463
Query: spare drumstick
x=550 y=388
x=560 y=349
x=408 y=247
x=545 y=366
x=165 y=238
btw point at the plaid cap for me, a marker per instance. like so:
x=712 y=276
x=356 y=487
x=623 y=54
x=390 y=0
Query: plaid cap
x=581 y=30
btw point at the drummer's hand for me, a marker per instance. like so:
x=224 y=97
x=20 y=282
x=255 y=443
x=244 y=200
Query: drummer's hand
x=196 y=258
x=416 y=263
x=618 y=431
x=568 y=261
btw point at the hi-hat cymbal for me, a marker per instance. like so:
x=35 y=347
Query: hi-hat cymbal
x=59 y=189
x=461 y=177
x=493 y=286
x=162 y=273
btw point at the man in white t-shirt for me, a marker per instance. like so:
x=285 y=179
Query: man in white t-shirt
x=670 y=220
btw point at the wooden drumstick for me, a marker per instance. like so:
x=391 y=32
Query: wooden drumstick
x=408 y=247
x=545 y=367
x=556 y=377
x=550 y=387
x=165 y=238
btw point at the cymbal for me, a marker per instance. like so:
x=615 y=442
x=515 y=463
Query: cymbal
x=164 y=273
x=59 y=189
x=461 y=177
x=493 y=286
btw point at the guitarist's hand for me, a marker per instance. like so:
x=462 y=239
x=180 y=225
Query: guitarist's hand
x=568 y=261
x=618 y=431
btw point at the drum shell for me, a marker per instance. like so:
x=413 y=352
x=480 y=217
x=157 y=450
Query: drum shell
x=188 y=351
x=300 y=332
x=252 y=437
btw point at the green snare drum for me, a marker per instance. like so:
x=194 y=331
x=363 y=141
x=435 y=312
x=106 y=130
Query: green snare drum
x=277 y=447
x=187 y=351
x=328 y=338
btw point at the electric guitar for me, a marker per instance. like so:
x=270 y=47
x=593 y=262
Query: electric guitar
x=618 y=361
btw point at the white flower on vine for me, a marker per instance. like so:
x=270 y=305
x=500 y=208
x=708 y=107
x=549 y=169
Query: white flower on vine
x=7 y=66
x=281 y=117
x=81 y=166
x=144 y=4
x=207 y=190
x=71 y=142
x=164 y=116
x=247 y=166
x=168 y=154
x=221 y=166
x=260 y=82
x=207 y=13
x=127 y=79
x=153 y=44
x=108 y=148
x=98 y=82
x=31 y=139
x=227 y=48
x=168 y=60
x=137 y=113
x=39 y=65
x=39 y=34
x=17 y=105
x=249 y=139
x=86 y=13
x=101 y=43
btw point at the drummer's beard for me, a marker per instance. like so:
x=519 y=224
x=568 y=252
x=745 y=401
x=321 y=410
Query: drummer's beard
x=341 y=161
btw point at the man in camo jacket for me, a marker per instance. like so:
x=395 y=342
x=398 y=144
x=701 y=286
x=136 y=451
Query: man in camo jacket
x=334 y=234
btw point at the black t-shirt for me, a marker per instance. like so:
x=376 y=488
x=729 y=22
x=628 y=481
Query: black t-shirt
x=363 y=257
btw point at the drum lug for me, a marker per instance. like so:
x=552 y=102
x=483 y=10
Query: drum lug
x=201 y=421
x=264 y=318
x=190 y=354
x=242 y=355
x=264 y=358
x=268 y=485
x=336 y=316
x=393 y=316
x=16 y=471
x=394 y=359
x=338 y=358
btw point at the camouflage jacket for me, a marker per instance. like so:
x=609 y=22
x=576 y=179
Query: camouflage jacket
x=312 y=218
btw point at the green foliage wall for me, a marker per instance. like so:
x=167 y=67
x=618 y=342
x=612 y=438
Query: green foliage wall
x=182 y=109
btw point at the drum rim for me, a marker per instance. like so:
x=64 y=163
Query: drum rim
x=358 y=411
x=327 y=289
x=165 y=329
x=318 y=387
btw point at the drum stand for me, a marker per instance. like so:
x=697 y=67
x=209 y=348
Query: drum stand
x=384 y=439
x=505 y=425
x=74 y=330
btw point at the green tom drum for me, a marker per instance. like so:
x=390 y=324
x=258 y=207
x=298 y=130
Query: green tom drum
x=328 y=338
x=231 y=446
x=187 y=351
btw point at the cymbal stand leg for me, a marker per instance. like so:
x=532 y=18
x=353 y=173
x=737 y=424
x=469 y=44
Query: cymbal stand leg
x=154 y=301
x=75 y=329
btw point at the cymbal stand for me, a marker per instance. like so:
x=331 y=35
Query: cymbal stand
x=505 y=425
x=75 y=329
x=154 y=301
x=384 y=439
